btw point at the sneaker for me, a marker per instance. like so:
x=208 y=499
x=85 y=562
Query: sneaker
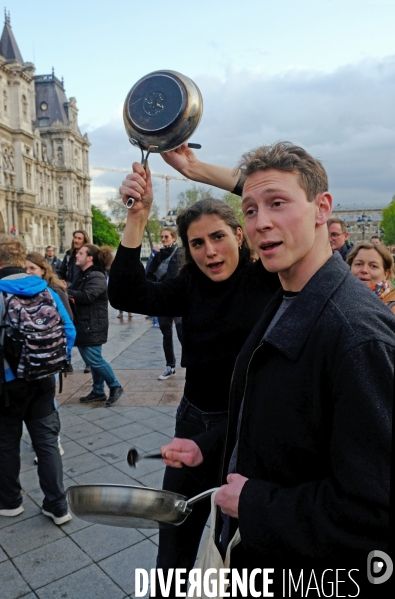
x=35 y=461
x=115 y=394
x=168 y=373
x=87 y=369
x=59 y=520
x=120 y=316
x=11 y=513
x=69 y=368
x=93 y=397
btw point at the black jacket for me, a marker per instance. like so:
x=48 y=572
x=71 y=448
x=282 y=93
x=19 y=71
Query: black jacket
x=315 y=434
x=174 y=262
x=217 y=317
x=55 y=262
x=90 y=306
x=68 y=270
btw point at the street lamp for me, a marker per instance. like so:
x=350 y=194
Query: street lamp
x=363 y=221
x=61 y=229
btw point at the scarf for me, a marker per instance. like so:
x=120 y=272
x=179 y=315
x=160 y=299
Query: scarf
x=382 y=289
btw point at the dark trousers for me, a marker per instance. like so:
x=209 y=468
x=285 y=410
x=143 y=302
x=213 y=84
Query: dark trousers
x=166 y=326
x=32 y=403
x=178 y=546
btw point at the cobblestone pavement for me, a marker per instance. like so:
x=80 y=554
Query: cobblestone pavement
x=80 y=560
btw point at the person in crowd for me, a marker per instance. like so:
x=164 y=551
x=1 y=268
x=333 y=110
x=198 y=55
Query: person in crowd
x=220 y=294
x=338 y=236
x=32 y=403
x=375 y=239
x=40 y=267
x=307 y=453
x=165 y=265
x=69 y=270
x=120 y=314
x=50 y=257
x=89 y=299
x=154 y=251
x=373 y=264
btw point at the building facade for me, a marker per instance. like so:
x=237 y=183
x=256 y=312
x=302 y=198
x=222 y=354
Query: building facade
x=44 y=168
x=361 y=224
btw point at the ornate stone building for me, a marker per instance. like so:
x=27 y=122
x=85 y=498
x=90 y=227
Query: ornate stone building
x=44 y=171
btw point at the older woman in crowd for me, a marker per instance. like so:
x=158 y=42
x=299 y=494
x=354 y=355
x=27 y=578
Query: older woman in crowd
x=374 y=266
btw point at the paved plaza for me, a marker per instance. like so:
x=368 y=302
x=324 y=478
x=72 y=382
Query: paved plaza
x=80 y=560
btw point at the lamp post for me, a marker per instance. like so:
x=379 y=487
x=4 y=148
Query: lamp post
x=61 y=229
x=363 y=221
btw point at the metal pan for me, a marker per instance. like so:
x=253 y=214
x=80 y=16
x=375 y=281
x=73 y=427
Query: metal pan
x=161 y=111
x=131 y=506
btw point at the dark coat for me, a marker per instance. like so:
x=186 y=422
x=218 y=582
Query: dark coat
x=68 y=270
x=174 y=263
x=90 y=306
x=315 y=433
x=54 y=262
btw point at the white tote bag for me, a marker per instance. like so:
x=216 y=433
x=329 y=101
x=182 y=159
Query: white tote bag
x=210 y=556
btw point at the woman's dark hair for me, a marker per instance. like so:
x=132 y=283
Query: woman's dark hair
x=102 y=257
x=207 y=207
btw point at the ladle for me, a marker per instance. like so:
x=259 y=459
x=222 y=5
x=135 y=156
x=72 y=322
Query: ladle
x=134 y=457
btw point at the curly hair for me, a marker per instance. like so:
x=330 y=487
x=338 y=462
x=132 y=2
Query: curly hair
x=102 y=256
x=12 y=251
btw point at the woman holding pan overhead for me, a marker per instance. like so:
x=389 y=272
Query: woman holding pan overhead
x=220 y=294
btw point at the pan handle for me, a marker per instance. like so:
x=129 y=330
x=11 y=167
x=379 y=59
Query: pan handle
x=131 y=201
x=201 y=496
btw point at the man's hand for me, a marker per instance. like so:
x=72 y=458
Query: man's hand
x=182 y=159
x=181 y=451
x=138 y=185
x=227 y=498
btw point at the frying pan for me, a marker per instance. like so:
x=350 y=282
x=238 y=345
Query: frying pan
x=131 y=506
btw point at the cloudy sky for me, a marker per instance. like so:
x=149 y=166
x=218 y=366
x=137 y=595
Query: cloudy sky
x=319 y=73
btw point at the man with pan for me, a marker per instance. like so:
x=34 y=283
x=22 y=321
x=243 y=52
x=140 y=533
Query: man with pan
x=307 y=454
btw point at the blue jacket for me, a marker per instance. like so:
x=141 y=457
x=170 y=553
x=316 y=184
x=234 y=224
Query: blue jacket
x=29 y=285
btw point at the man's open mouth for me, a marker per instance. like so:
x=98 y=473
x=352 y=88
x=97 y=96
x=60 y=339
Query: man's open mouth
x=270 y=245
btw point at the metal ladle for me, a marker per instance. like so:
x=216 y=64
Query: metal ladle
x=134 y=457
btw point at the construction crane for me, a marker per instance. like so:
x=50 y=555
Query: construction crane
x=165 y=177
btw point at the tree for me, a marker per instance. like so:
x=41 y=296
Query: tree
x=192 y=195
x=104 y=231
x=388 y=223
x=118 y=213
x=234 y=202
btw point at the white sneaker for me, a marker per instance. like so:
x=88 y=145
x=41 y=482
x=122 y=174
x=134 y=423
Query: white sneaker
x=168 y=373
x=58 y=519
x=10 y=513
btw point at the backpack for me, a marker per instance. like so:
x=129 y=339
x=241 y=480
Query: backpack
x=34 y=338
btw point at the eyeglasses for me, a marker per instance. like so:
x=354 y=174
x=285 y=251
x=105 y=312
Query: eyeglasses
x=335 y=235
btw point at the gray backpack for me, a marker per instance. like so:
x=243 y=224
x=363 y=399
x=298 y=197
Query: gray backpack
x=34 y=338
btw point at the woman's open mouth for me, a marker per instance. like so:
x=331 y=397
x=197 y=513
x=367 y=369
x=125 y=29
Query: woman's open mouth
x=215 y=266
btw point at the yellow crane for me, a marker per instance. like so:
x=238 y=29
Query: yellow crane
x=165 y=177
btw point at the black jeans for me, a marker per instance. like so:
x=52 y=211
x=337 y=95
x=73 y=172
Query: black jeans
x=166 y=326
x=32 y=403
x=178 y=546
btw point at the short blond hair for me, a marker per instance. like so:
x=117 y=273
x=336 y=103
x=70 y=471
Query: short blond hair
x=12 y=251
